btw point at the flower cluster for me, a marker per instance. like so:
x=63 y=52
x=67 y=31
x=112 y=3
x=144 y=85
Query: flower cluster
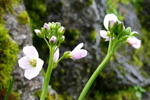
x=117 y=32
x=52 y=33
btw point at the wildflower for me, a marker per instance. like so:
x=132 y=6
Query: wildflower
x=53 y=39
x=56 y=55
x=31 y=62
x=105 y=35
x=46 y=26
x=78 y=53
x=134 y=42
x=110 y=18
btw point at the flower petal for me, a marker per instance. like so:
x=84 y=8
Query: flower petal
x=109 y=17
x=78 y=54
x=56 y=55
x=24 y=62
x=78 y=47
x=134 y=42
x=30 y=51
x=34 y=71
x=103 y=34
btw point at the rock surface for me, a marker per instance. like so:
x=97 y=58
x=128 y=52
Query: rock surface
x=21 y=33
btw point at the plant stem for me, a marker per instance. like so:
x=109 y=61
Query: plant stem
x=9 y=89
x=48 y=74
x=94 y=76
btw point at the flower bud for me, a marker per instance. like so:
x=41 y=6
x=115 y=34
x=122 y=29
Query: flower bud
x=61 y=30
x=46 y=26
x=67 y=54
x=134 y=33
x=62 y=39
x=127 y=31
x=58 y=25
x=113 y=28
x=120 y=27
x=53 y=39
x=38 y=33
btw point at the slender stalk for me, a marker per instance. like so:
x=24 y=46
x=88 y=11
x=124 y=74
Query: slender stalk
x=94 y=76
x=9 y=89
x=48 y=74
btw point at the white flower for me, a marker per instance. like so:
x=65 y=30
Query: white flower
x=31 y=62
x=134 y=42
x=78 y=53
x=105 y=35
x=56 y=55
x=110 y=18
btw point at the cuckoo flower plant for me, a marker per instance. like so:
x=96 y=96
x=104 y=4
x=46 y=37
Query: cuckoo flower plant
x=52 y=33
x=117 y=35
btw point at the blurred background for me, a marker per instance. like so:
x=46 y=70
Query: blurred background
x=125 y=77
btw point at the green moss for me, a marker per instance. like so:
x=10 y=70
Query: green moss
x=93 y=35
x=23 y=18
x=12 y=95
x=89 y=2
x=121 y=95
x=6 y=5
x=122 y=70
x=8 y=50
x=48 y=96
x=72 y=35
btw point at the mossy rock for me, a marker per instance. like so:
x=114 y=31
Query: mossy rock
x=49 y=96
x=12 y=95
x=23 y=18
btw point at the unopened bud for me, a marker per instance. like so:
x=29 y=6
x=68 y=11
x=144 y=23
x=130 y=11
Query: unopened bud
x=61 y=30
x=67 y=54
x=112 y=28
x=53 y=39
x=58 y=25
x=46 y=26
x=120 y=27
x=127 y=31
x=38 y=33
x=134 y=33
x=62 y=39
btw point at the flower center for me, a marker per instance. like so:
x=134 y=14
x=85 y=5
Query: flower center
x=33 y=62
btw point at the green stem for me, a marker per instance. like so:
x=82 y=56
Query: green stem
x=48 y=74
x=94 y=76
x=43 y=72
x=9 y=89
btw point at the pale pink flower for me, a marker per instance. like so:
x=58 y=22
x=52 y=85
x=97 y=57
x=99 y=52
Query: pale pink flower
x=56 y=55
x=31 y=62
x=105 y=35
x=134 y=42
x=46 y=26
x=53 y=39
x=78 y=53
x=37 y=31
x=110 y=18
